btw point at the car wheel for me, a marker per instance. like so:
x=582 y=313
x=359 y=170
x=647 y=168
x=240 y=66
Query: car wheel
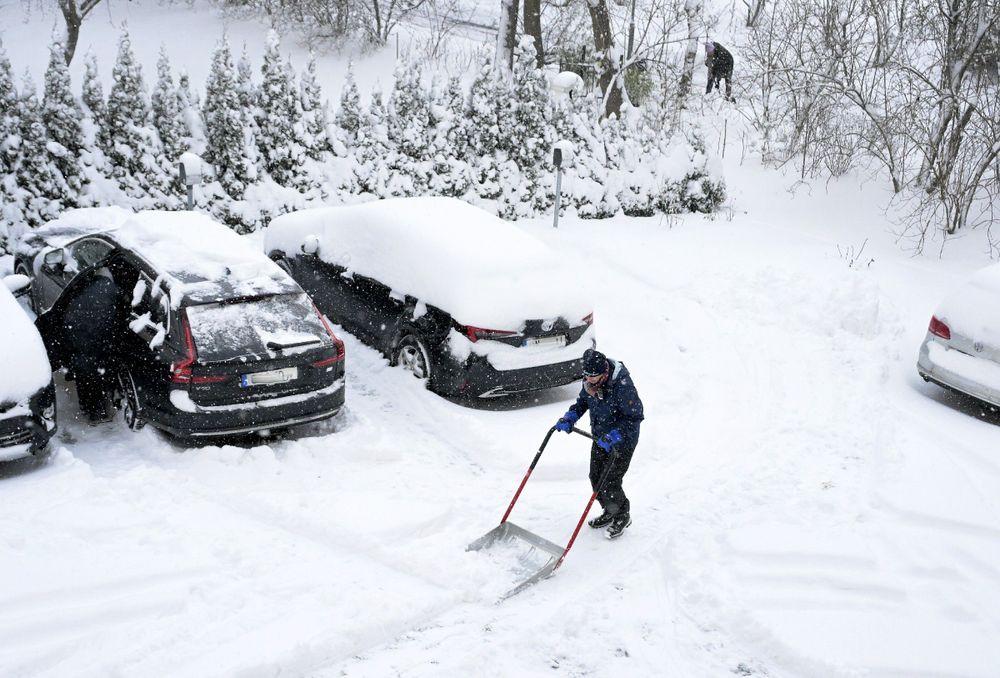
x=128 y=401
x=412 y=355
x=22 y=269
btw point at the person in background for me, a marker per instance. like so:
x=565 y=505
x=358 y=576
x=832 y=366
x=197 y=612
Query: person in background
x=615 y=414
x=720 y=67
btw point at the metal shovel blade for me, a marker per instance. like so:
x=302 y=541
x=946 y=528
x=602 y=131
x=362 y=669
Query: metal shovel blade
x=509 y=531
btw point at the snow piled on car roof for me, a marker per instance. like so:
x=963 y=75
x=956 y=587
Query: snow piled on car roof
x=973 y=310
x=200 y=259
x=26 y=365
x=482 y=270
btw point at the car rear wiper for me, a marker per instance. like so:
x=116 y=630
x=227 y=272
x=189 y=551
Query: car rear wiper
x=276 y=346
x=246 y=298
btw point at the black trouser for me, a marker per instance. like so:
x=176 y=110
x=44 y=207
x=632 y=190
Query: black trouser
x=93 y=379
x=715 y=79
x=612 y=496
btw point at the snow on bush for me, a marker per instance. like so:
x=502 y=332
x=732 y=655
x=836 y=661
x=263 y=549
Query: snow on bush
x=275 y=147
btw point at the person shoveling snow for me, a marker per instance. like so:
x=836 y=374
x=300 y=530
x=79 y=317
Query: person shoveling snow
x=615 y=414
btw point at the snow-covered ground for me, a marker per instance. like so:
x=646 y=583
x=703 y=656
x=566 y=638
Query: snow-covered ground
x=803 y=504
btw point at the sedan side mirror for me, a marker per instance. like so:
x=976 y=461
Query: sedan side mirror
x=55 y=258
x=310 y=245
x=18 y=284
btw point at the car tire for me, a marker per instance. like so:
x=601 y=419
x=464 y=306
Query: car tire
x=412 y=355
x=128 y=401
x=22 y=269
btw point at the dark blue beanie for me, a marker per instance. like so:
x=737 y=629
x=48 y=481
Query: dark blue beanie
x=594 y=363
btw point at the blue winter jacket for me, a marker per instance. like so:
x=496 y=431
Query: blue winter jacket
x=617 y=406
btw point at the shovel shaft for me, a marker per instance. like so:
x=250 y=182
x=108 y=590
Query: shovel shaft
x=534 y=462
x=579 y=524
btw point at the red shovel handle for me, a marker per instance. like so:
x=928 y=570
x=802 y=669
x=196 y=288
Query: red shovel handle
x=531 y=468
x=600 y=486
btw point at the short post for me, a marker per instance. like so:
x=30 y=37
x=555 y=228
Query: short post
x=557 y=161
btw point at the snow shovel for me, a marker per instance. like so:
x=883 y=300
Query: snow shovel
x=509 y=531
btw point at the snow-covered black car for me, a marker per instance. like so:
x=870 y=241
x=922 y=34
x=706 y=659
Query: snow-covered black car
x=961 y=351
x=27 y=395
x=213 y=337
x=467 y=301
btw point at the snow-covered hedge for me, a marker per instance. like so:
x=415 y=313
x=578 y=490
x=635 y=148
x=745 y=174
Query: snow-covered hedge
x=275 y=145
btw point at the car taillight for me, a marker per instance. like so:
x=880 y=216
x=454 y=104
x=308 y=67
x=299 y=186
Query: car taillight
x=589 y=318
x=939 y=329
x=477 y=333
x=181 y=371
x=337 y=343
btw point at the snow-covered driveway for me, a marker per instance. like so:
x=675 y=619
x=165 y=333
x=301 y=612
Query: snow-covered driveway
x=803 y=505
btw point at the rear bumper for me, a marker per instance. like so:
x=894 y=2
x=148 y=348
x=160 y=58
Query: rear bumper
x=481 y=380
x=185 y=419
x=955 y=372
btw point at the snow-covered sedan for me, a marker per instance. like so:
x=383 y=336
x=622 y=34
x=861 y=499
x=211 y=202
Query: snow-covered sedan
x=468 y=302
x=213 y=337
x=961 y=351
x=27 y=395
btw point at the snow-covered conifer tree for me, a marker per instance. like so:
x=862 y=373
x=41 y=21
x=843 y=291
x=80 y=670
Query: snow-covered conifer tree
x=224 y=124
x=8 y=115
x=486 y=122
x=452 y=174
x=9 y=140
x=126 y=114
x=529 y=116
x=349 y=114
x=95 y=108
x=35 y=181
x=280 y=151
x=313 y=121
x=371 y=169
x=190 y=118
x=61 y=115
x=166 y=113
x=248 y=98
x=93 y=91
x=132 y=147
x=408 y=124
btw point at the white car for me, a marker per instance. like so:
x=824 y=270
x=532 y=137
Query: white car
x=961 y=351
x=27 y=395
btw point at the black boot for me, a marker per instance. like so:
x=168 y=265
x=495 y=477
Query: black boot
x=602 y=520
x=618 y=525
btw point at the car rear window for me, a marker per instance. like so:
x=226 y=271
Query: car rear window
x=275 y=326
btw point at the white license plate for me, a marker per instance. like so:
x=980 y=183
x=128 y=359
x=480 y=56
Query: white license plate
x=281 y=376
x=559 y=340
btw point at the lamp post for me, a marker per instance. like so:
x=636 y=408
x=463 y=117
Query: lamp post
x=191 y=169
x=562 y=151
x=557 y=161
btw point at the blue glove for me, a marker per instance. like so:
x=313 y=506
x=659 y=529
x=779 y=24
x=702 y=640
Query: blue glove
x=609 y=440
x=566 y=423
